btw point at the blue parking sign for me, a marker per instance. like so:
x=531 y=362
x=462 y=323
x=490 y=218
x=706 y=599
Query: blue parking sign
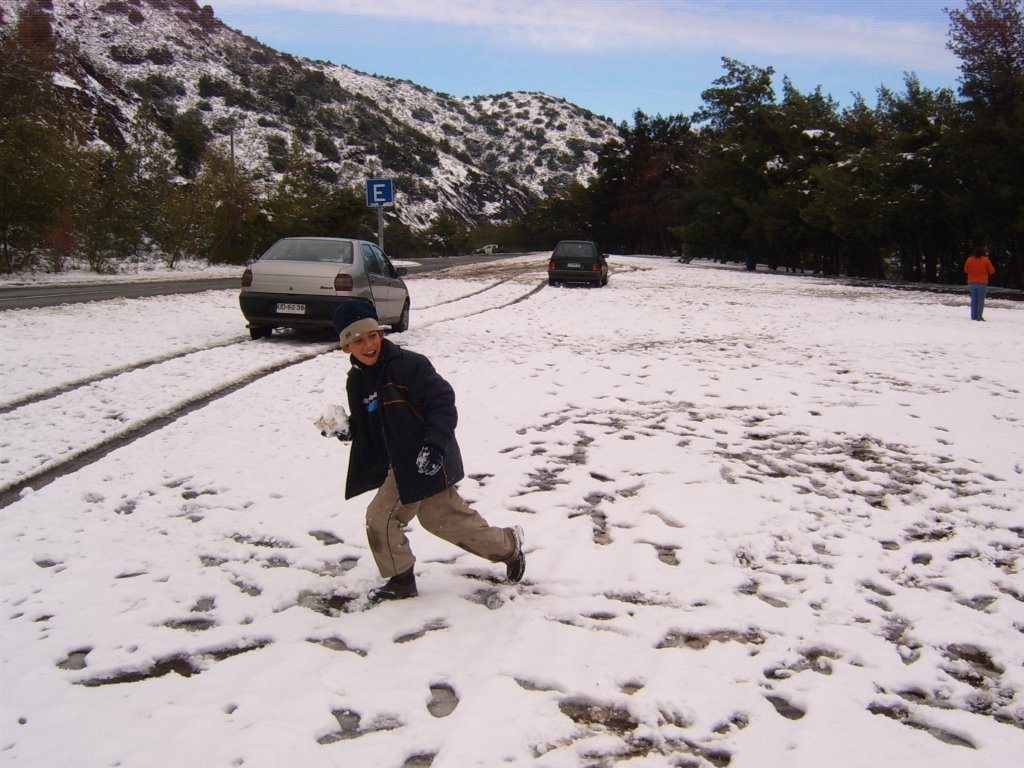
x=379 y=192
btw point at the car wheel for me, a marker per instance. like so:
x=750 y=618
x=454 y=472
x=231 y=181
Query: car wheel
x=552 y=281
x=403 y=320
x=260 y=332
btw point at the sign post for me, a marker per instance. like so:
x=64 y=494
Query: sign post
x=379 y=193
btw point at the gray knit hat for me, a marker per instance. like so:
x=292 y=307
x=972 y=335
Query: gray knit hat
x=353 y=319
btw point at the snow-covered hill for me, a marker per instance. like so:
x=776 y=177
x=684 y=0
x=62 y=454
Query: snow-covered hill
x=478 y=158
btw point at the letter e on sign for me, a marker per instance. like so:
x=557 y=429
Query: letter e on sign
x=380 y=192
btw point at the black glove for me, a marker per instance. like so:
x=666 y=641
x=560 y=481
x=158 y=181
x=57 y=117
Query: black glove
x=430 y=460
x=339 y=432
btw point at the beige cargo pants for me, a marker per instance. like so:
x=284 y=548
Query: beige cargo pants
x=446 y=515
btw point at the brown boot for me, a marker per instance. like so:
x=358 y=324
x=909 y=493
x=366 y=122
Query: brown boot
x=398 y=587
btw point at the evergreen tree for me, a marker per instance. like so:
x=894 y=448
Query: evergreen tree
x=212 y=217
x=303 y=204
x=988 y=37
x=742 y=149
x=642 y=182
x=570 y=215
x=343 y=213
x=125 y=212
x=291 y=205
x=806 y=127
x=401 y=242
x=233 y=212
x=190 y=137
x=921 y=189
x=42 y=167
x=846 y=197
x=109 y=218
x=447 y=235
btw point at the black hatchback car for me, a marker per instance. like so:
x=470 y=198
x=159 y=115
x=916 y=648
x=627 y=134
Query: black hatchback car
x=577 y=261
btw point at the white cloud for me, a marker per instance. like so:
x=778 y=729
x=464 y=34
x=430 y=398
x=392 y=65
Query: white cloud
x=912 y=36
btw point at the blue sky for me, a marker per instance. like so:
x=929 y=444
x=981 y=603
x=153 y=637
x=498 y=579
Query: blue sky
x=614 y=56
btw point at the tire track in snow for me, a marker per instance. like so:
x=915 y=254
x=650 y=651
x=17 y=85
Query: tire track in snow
x=82 y=456
x=518 y=299
x=70 y=386
x=79 y=457
x=464 y=296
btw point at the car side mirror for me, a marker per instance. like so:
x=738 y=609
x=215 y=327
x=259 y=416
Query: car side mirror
x=401 y=271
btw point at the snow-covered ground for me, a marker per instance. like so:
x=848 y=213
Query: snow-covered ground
x=770 y=521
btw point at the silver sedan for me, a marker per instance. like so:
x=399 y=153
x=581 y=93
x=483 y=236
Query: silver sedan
x=300 y=281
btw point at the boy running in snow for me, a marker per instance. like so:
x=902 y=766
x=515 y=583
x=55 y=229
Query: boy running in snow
x=402 y=427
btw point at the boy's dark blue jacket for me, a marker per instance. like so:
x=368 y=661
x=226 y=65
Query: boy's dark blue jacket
x=414 y=405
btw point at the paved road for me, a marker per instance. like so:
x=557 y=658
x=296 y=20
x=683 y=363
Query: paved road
x=26 y=297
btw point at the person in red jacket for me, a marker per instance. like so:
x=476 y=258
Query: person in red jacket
x=978 y=267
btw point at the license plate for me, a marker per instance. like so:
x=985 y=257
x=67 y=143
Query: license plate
x=291 y=309
x=573 y=265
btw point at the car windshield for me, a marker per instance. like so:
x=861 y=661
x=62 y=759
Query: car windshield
x=574 y=251
x=336 y=251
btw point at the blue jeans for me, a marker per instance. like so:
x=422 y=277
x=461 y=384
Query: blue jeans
x=977 y=299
